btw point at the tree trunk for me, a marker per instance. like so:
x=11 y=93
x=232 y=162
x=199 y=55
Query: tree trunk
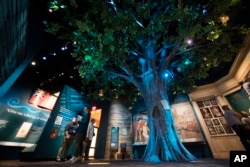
x=164 y=143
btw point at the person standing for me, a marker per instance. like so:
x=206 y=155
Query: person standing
x=81 y=135
x=69 y=136
x=89 y=136
x=245 y=119
x=233 y=118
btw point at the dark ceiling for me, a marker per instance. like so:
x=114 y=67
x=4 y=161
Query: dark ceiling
x=54 y=65
x=56 y=70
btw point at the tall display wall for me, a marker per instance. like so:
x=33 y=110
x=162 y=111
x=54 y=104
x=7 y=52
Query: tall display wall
x=24 y=111
x=70 y=104
x=28 y=114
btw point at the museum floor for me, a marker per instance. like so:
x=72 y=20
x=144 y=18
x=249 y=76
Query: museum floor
x=117 y=163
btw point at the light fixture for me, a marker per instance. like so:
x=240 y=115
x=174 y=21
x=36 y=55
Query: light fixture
x=189 y=41
x=33 y=63
x=100 y=92
x=224 y=19
x=93 y=108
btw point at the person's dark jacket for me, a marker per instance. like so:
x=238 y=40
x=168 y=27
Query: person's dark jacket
x=83 y=123
x=71 y=128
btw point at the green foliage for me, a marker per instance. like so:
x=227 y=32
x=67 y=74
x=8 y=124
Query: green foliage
x=113 y=40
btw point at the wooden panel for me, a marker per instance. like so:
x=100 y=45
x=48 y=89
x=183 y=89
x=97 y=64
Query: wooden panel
x=120 y=117
x=221 y=146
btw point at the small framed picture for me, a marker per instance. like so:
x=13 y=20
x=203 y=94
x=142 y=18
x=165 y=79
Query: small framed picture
x=220 y=129
x=213 y=101
x=206 y=113
x=212 y=130
x=208 y=122
x=228 y=129
x=216 y=122
x=216 y=111
x=207 y=103
x=24 y=130
x=200 y=104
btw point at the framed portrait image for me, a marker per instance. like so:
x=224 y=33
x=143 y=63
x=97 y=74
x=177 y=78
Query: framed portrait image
x=220 y=129
x=207 y=103
x=206 y=113
x=213 y=102
x=228 y=129
x=216 y=121
x=208 y=122
x=216 y=111
x=200 y=104
x=212 y=130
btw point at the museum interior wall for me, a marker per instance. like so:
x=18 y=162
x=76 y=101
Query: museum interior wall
x=204 y=136
x=228 y=90
x=27 y=122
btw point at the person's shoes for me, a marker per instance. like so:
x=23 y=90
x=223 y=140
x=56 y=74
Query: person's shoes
x=79 y=158
x=58 y=159
x=73 y=159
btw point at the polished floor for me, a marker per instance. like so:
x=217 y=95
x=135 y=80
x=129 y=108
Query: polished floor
x=116 y=163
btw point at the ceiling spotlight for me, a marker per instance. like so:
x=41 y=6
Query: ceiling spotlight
x=189 y=41
x=64 y=48
x=53 y=54
x=33 y=63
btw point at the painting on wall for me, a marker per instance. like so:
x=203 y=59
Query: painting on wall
x=141 y=129
x=186 y=123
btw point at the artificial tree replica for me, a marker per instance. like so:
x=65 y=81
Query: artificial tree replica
x=148 y=48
